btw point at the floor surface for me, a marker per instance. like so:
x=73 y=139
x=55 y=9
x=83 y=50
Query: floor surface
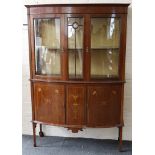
x=73 y=146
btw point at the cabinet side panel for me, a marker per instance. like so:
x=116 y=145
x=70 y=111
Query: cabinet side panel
x=30 y=63
x=123 y=46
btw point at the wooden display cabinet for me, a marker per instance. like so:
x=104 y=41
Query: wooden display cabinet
x=77 y=65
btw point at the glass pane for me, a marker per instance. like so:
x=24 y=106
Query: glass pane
x=75 y=38
x=75 y=64
x=105 y=32
x=75 y=47
x=104 y=63
x=47 y=46
x=105 y=40
x=75 y=33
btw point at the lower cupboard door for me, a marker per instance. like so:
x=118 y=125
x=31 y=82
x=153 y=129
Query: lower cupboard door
x=75 y=111
x=104 y=106
x=49 y=103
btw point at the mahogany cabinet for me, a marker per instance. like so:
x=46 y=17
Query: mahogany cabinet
x=77 y=65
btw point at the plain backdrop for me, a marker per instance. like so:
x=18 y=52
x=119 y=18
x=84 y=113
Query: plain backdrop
x=143 y=62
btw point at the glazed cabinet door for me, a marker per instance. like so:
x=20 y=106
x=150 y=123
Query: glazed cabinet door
x=49 y=103
x=104 y=105
x=105 y=46
x=48 y=46
x=75 y=45
x=75 y=111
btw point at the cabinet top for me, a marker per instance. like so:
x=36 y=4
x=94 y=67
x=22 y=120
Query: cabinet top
x=88 y=4
x=78 y=8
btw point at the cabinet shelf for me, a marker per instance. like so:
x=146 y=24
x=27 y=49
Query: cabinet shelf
x=107 y=48
x=103 y=76
x=52 y=49
x=75 y=49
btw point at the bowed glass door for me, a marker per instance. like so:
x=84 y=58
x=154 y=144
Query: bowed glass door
x=105 y=47
x=47 y=46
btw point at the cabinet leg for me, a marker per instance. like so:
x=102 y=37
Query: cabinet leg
x=120 y=138
x=34 y=134
x=41 y=134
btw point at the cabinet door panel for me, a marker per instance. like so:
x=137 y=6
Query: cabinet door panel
x=104 y=105
x=47 y=46
x=75 y=105
x=75 y=39
x=105 y=47
x=49 y=103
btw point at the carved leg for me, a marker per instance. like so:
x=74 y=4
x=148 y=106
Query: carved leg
x=41 y=134
x=120 y=138
x=34 y=134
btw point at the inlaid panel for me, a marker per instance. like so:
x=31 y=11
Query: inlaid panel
x=75 y=111
x=104 y=105
x=49 y=103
